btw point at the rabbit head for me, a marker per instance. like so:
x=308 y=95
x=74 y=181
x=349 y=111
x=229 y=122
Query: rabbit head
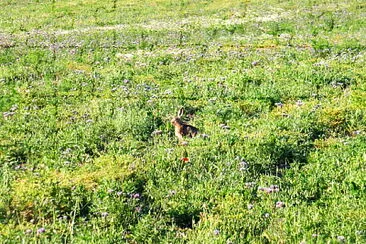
x=176 y=121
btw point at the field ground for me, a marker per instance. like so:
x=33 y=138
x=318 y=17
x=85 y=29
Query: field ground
x=277 y=89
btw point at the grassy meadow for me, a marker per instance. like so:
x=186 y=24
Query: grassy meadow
x=88 y=153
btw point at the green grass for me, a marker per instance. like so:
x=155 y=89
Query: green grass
x=85 y=84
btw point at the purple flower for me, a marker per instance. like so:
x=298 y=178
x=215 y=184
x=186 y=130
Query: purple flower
x=126 y=81
x=280 y=204
x=138 y=209
x=41 y=230
x=271 y=189
x=275 y=188
x=279 y=104
x=119 y=193
x=135 y=196
x=299 y=103
x=255 y=63
x=216 y=232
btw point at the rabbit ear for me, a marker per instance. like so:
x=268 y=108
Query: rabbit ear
x=180 y=112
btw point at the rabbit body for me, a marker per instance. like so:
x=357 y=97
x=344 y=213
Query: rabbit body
x=183 y=129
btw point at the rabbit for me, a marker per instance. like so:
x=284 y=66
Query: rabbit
x=181 y=128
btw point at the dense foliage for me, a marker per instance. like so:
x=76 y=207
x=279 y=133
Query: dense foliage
x=88 y=89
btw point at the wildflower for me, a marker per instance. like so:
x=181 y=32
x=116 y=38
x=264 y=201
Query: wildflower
x=104 y=214
x=314 y=235
x=13 y=108
x=126 y=81
x=250 y=206
x=225 y=127
x=243 y=166
x=28 y=231
x=212 y=100
x=185 y=159
x=249 y=184
x=271 y=189
x=216 y=232
x=135 y=196
x=316 y=107
x=8 y=114
x=172 y=193
x=255 y=63
x=41 y=230
x=341 y=238
x=67 y=151
x=119 y=193
x=299 y=103
x=275 y=188
x=268 y=190
x=280 y=204
x=157 y=133
x=168 y=92
x=110 y=191
x=285 y=36
x=204 y=136
x=266 y=215
x=279 y=104
x=126 y=56
x=138 y=209
x=356 y=132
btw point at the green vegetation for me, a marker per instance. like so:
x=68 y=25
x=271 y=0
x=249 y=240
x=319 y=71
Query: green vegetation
x=88 y=89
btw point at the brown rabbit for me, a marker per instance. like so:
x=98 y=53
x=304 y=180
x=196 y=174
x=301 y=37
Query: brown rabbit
x=181 y=128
